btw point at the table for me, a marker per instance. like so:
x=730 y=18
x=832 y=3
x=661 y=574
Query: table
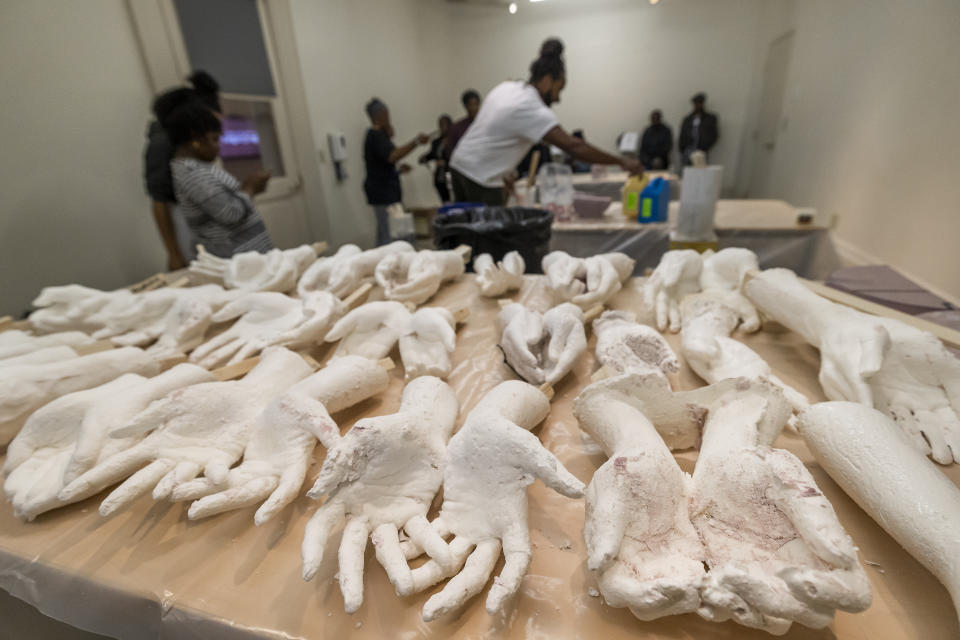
x=769 y=228
x=149 y=572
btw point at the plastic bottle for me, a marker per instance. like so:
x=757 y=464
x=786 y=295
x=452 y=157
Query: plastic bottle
x=631 y=195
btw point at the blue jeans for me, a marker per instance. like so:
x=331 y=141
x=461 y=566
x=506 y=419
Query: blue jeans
x=383 y=224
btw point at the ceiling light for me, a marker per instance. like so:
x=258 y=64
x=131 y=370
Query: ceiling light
x=654 y=1
x=512 y=8
x=536 y=0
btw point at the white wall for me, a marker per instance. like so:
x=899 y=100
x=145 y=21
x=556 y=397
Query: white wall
x=624 y=59
x=871 y=129
x=350 y=51
x=74 y=104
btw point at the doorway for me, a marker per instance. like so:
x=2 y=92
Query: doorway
x=770 y=118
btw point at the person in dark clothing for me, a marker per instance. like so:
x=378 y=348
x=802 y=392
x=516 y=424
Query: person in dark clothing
x=471 y=102
x=174 y=231
x=577 y=166
x=699 y=131
x=382 y=184
x=656 y=143
x=523 y=169
x=437 y=156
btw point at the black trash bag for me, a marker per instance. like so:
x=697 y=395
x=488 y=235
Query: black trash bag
x=497 y=231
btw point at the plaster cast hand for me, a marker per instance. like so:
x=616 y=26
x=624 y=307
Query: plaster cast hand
x=709 y=318
x=40 y=356
x=426 y=349
x=284 y=436
x=641 y=545
x=14 y=343
x=495 y=279
x=542 y=349
x=604 y=275
x=880 y=362
x=68 y=307
x=66 y=437
x=624 y=346
x=726 y=270
x=416 y=277
x=202 y=428
x=381 y=477
x=775 y=550
x=183 y=328
x=318 y=275
x=677 y=276
x=872 y=460
x=566 y=275
x=350 y=268
x=371 y=330
x=275 y=270
x=25 y=388
x=490 y=463
x=267 y=319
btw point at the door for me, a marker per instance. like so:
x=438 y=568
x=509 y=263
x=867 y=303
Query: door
x=770 y=119
x=234 y=41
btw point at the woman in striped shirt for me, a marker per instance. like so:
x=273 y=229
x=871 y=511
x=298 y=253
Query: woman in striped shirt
x=218 y=209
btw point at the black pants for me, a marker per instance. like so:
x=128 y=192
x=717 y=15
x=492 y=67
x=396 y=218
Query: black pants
x=466 y=190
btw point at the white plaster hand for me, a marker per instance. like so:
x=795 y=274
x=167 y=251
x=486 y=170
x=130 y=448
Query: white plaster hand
x=677 y=276
x=603 y=277
x=416 y=277
x=15 y=342
x=624 y=346
x=66 y=437
x=879 y=362
x=371 y=330
x=267 y=319
x=566 y=275
x=426 y=348
x=284 y=436
x=68 y=307
x=275 y=270
x=542 y=349
x=27 y=387
x=382 y=477
x=350 y=268
x=776 y=552
x=495 y=279
x=201 y=428
x=641 y=544
x=318 y=276
x=490 y=462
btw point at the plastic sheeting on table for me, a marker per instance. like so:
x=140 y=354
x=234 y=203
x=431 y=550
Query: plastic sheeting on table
x=150 y=572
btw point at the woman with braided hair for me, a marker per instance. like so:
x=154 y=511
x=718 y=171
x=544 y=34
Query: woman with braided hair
x=516 y=115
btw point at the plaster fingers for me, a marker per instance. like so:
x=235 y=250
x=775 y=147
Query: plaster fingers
x=516 y=553
x=316 y=535
x=466 y=584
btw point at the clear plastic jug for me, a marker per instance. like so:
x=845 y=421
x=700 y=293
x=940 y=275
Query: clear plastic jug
x=555 y=183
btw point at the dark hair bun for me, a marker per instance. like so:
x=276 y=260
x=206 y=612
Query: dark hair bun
x=168 y=102
x=551 y=48
x=203 y=82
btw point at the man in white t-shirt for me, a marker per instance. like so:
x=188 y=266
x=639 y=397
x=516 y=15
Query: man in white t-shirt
x=515 y=115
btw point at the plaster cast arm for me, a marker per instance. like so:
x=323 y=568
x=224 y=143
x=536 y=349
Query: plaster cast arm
x=416 y=277
x=284 y=436
x=267 y=319
x=426 y=348
x=776 y=552
x=641 y=545
x=624 y=346
x=66 y=437
x=26 y=388
x=495 y=279
x=15 y=343
x=677 y=276
x=489 y=464
x=371 y=330
x=275 y=270
x=381 y=477
x=880 y=362
x=201 y=428
x=542 y=349
x=874 y=463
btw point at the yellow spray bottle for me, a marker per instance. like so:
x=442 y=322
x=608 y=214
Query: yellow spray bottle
x=631 y=195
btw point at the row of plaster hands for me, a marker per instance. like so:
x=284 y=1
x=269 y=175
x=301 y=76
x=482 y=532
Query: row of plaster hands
x=276 y=270
x=348 y=269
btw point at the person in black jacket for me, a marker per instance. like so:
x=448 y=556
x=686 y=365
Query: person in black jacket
x=699 y=131
x=437 y=155
x=176 y=235
x=656 y=143
x=382 y=184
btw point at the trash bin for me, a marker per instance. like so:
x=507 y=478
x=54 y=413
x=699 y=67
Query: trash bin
x=497 y=230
